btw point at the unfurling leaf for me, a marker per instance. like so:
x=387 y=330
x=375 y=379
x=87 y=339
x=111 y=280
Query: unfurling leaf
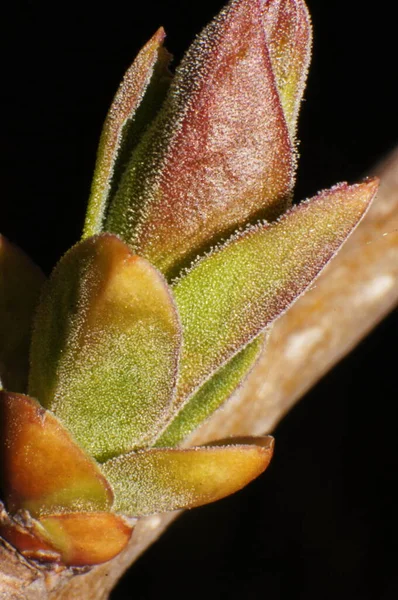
x=105 y=347
x=44 y=471
x=133 y=108
x=20 y=284
x=228 y=297
x=217 y=155
x=160 y=480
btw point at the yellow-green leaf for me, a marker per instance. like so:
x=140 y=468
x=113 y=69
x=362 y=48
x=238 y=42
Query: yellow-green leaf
x=20 y=284
x=211 y=395
x=160 y=480
x=217 y=155
x=105 y=347
x=228 y=297
x=137 y=101
x=43 y=469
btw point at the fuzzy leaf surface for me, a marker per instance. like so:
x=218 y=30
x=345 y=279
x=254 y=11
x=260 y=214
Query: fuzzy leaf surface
x=160 y=480
x=84 y=539
x=217 y=155
x=105 y=347
x=228 y=297
x=43 y=468
x=137 y=101
x=213 y=394
x=20 y=284
x=288 y=32
x=27 y=543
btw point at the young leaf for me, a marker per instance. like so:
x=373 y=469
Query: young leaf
x=137 y=101
x=231 y=295
x=44 y=471
x=84 y=539
x=26 y=542
x=105 y=347
x=211 y=395
x=288 y=32
x=218 y=153
x=20 y=284
x=160 y=480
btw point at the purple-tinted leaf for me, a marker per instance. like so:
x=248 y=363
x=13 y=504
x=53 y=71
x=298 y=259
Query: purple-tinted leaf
x=219 y=152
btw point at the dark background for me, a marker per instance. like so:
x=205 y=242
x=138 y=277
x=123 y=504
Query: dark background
x=322 y=522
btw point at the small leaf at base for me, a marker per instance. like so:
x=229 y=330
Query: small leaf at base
x=160 y=480
x=84 y=539
x=44 y=471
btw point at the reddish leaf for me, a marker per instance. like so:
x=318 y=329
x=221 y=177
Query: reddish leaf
x=27 y=543
x=87 y=538
x=43 y=469
x=219 y=152
x=74 y=539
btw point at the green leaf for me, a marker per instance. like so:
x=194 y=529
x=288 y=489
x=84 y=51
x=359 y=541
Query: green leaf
x=217 y=155
x=211 y=395
x=287 y=27
x=137 y=101
x=105 y=347
x=20 y=284
x=43 y=470
x=160 y=480
x=230 y=296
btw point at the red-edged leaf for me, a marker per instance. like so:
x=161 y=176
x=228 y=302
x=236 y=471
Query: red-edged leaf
x=228 y=297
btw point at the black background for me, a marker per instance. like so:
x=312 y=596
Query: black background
x=322 y=522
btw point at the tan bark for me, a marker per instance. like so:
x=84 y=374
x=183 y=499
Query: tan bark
x=351 y=296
